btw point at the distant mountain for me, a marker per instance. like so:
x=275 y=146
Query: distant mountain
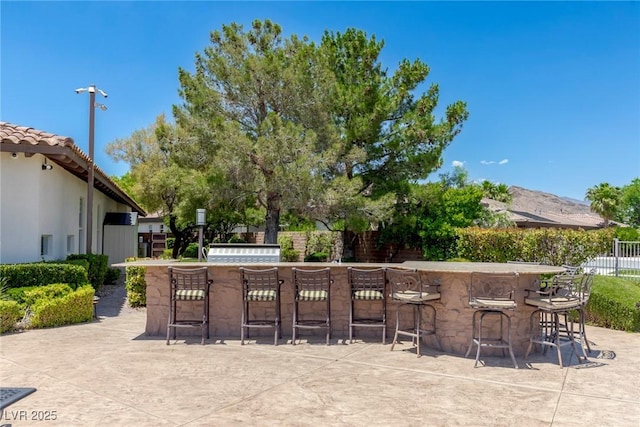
x=580 y=202
x=540 y=202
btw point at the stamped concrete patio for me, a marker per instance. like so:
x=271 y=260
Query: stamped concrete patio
x=108 y=373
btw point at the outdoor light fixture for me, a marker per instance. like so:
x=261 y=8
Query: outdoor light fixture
x=46 y=166
x=201 y=221
x=90 y=166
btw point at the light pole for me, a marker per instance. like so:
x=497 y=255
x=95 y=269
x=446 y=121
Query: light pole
x=92 y=105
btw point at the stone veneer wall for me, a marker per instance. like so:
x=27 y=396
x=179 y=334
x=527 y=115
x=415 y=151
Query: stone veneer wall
x=454 y=316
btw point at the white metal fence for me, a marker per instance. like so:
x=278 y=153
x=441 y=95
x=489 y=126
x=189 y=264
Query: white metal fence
x=622 y=261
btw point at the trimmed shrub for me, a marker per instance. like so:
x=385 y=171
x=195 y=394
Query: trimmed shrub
x=191 y=251
x=40 y=274
x=17 y=294
x=547 y=245
x=48 y=292
x=287 y=253
x=627 y=234
x=318 y=243
x=98 y=266
x=614 y=303
x=75 y=307
x=136 y=286
x=317 y=257
x=10 y=314
x=113 y=274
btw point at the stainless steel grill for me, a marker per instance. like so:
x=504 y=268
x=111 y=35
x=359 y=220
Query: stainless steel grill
x=242 y=253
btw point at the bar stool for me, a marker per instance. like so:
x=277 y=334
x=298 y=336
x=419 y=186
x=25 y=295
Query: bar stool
x=311 y=286
x=407 y=289
x=189 y=287
x=367 y=285
x=260 y=288
x=491 y=294
x=563 y=296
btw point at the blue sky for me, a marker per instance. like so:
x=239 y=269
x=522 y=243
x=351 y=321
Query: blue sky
x=553 y=89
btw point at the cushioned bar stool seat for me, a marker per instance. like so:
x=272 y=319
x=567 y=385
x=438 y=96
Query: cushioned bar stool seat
x=367 y=285
x=311 y=286
x=189 y=289
x=407 y=289
x=260 y=289
x=491 y=295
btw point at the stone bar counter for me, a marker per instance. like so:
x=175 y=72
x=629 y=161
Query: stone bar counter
x=454 y=315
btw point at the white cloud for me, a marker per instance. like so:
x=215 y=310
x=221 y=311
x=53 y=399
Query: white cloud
x=493 y=162
x=457 y=163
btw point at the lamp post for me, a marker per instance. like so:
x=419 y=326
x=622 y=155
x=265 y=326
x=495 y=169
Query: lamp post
x=201 y=220
x=92 y=105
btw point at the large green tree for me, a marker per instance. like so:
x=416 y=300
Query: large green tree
x=156 y=179
x=605 y=200
x=387 y=134
x=253 y=103
x=630 y=204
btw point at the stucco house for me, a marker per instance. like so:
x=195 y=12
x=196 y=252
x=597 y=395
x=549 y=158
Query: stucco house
x=43 y=201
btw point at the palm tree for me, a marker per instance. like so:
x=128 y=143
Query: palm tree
x=605 y=200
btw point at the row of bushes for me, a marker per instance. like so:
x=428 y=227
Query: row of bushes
x=76 y=270
x=547 y=245
x=50 y=305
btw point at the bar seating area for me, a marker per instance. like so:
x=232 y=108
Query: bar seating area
x=349 y=301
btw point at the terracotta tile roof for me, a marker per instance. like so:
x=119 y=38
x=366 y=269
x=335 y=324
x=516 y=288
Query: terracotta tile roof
x=24 y=135
x=63 y=151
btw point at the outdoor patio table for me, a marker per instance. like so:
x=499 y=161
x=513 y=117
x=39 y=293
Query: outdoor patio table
x=453 y=311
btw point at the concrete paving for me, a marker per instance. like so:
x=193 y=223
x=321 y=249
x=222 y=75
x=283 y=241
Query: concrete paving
x=107 y=373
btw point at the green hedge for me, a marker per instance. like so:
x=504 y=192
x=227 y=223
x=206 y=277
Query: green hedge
x=113 y=274
x=287 y=253
x=34 y=294
x=10 y=314
x=40 y=274
x=547 y=245
x=98 y=267
x=75 y=307
x=136 y=286
x=614 y=303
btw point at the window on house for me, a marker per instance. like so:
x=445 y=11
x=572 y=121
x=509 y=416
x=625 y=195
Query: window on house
x=46 y=244
x=71 y=244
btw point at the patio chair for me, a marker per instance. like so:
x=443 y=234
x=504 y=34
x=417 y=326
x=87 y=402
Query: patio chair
x=491 y=295
x=407 y=289
x=367 y=285
x=189 y=289
x=310 y=288
x=260 y=288
x=564 y=295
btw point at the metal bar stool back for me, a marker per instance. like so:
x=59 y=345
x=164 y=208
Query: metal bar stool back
x=260 y=289
x=564 y=294
x=189 y=288
x=311 y=287
x=367 y=285
x=406 y=288
x=492 y=294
